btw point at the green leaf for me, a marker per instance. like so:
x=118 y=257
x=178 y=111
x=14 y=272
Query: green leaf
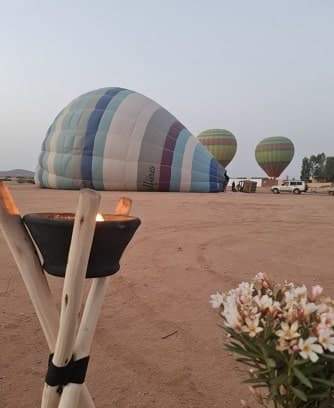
x=271 y=363
x=255 y=381
x=329 y=383
x=281 y=379
x=247 y=361
x=241 y=352
x=327 y=356
x=318 y=397
x=301 y=377
x=299 y=394
x=300 y=362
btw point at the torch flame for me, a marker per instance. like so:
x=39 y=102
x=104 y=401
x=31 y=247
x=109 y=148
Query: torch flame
x=99 y=217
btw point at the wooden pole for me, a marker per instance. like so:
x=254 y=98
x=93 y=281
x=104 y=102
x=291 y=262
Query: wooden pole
x=82 y=238
x=71 y=393
x=27 y=260
x=29 y=265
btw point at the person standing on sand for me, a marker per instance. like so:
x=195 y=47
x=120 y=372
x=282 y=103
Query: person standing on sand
x=226 y=180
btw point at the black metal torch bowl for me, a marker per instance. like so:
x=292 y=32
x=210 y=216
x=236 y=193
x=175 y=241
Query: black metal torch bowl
x=52 y=233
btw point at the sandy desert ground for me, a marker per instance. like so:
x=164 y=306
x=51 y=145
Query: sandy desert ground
x=189 y=245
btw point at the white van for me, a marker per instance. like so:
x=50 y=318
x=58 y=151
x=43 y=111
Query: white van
x=295 y=187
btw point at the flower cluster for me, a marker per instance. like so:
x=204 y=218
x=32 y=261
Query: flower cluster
x=284 y=323
x=303 y=323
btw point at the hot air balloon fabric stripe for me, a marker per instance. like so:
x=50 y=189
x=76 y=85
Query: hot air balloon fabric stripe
x=199 y=168
x=167 y=155
x=274 y=146
x=187 y=166
x=213 y=173
x=65 y=144
x=176 y=168
x=139 y=131
x=55 y=161
x=274 y=154
x=151 y=151
x=92 y=127
x=218 y=142
x=101 y=138
x=51 y=162
x=118 y=139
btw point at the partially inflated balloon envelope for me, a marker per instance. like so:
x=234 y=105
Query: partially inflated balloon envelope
x=274 y=154
x=117 y=139
x=221 y=143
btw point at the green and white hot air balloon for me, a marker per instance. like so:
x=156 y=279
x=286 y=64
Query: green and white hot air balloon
x=117 y=139
x=221 y=143
x=274 y=154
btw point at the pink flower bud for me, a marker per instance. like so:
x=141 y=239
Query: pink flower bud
x=316 y=291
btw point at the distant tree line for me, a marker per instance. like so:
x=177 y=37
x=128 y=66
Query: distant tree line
x=318 y=167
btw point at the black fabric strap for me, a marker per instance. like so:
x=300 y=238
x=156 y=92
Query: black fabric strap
x=73 y=372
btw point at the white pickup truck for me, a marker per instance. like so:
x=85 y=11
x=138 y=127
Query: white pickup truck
x=295 y=187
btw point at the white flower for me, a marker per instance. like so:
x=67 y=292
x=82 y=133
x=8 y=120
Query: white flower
x=326 y=339
x=309 y=308
x=264 y=302
x=301 y=292
x=288 y=332
x=252 y=327
x=244 y=292
x=290 y=298
x=216 y=300
x=296 y=296
x=310 y=350
x=230 y=312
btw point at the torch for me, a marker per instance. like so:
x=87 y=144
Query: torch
x=72 y=246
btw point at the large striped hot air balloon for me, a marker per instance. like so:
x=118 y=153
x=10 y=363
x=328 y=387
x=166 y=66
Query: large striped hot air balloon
x=274 y=154
x=117 y=139
x=221 y=143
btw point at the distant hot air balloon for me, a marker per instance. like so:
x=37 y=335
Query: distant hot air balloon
x=221 y=143
x=117 y=139
x=274 y=154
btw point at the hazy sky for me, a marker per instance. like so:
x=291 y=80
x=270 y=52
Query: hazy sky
x=258 y=68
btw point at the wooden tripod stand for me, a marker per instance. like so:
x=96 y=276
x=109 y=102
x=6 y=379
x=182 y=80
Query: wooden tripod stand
x=68 y=339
